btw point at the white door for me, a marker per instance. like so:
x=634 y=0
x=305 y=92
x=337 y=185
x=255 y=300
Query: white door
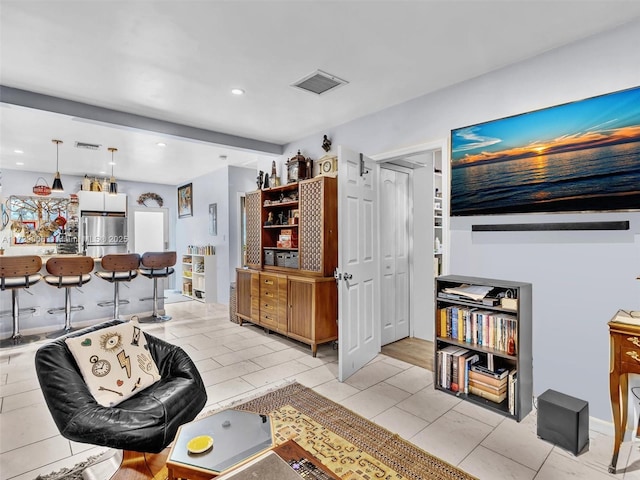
x=358 y=265
x=394 y=255
x=150 y=232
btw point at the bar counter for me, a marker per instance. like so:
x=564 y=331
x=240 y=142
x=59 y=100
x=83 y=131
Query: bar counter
x=42 y=297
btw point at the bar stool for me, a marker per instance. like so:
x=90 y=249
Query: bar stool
x=16 y=273
x=117 y=268
x=156 y=265
x=67 y=272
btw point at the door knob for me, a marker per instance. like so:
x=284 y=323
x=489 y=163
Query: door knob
x=347 y=276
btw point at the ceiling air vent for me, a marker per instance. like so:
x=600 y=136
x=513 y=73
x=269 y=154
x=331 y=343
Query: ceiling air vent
x=319 y=82
x=88 y=146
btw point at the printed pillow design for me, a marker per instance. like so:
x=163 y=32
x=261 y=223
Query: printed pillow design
x=115 y=362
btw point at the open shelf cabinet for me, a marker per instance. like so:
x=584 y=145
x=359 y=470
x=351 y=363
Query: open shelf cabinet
x=482 y=335
x=199 y=277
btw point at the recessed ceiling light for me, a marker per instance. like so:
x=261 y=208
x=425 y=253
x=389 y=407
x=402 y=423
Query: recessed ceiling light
x=237 y=91
x=112 y=163
x=102 y=172
x=18 y=151
x=161 y=144
x=19 y=163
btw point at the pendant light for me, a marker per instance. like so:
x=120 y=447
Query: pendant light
x=113 y=186
x=57 y=183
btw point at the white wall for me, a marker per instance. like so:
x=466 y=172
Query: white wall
x=221 y=187
x=579 y=278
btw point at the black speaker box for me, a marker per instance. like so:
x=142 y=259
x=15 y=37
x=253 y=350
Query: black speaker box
x=563 y=420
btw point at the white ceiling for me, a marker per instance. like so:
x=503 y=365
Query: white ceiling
x=177 y=60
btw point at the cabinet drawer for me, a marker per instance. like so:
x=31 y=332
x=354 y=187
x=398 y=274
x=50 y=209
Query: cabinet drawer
x=629 y=353
x=269 y=307
x=268 y=281
x=268 y=294
x=269 y=320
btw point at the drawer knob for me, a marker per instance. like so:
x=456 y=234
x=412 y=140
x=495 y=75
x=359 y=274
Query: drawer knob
x=634 y=355
x=635 y=341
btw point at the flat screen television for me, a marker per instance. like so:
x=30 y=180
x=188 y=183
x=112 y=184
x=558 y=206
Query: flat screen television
x=582 y=156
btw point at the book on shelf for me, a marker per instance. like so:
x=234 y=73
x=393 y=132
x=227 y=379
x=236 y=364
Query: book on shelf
x=444 y=365
x=468 y=361
x=487 y=395
x=488 y=379
x=474 y=292
x=454 y=321
x=488 y=388
x=512 y=381
x=499 y=373
x=457 y=369
x=442 y=315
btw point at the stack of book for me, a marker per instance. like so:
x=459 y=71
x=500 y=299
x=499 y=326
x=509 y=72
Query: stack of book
x=488 y=384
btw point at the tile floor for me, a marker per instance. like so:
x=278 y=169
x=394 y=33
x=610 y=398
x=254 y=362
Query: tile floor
x=239 y=361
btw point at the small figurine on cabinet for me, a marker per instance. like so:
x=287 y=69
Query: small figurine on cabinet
x=259 y=179
x=281 y=218
x=274 y=180
x=326 y=144
x=266 y=181
x=269 y=219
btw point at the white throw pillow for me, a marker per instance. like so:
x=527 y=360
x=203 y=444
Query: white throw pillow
x=115 y=362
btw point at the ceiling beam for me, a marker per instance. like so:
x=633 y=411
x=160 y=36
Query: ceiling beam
x=25 y=98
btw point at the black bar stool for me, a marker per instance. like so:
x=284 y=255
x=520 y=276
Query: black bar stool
x=67 y=272
x=117 y=268
x=156 y=265
x=16 y=273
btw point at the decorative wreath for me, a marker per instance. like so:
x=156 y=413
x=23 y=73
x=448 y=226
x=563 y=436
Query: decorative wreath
x=150 y=196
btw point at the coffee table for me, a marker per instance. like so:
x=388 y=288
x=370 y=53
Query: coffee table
x=237 y=437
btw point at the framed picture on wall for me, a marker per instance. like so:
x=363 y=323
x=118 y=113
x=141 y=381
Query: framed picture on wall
x=185 y=201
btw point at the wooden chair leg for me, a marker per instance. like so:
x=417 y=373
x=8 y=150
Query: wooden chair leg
x=140 y=466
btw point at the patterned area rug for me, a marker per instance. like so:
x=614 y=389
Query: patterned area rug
x=351 y=446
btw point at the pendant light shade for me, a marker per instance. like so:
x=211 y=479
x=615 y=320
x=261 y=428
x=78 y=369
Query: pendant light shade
x=57 y=183
x=113 y=186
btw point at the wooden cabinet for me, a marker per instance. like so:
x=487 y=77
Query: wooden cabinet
x=485 y=335
x=313 y=312
x=301 y=307
x=247 y=292
x=253 y=212
x=294 y=227
x=292 y=252
x=318 y=246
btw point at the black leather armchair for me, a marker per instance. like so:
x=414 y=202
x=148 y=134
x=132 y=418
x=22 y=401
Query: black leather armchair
x=146 y=422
